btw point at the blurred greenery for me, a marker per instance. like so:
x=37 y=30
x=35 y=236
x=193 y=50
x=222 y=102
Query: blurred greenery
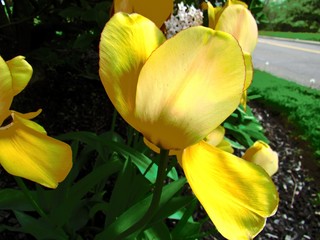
x=292 y=15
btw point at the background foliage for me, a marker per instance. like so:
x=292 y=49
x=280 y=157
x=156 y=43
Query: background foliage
x=292 y=15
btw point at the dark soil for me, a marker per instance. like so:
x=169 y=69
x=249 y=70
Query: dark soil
x=71 y=103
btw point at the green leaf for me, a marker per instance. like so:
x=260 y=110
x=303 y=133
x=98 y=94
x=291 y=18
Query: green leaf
x=12 y=199
x=127 y=189
x=62 y=213
x=39 y=228
x=156 y=231
x=136 y=212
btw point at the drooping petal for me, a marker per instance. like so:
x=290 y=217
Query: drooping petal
x=156 y=10
x=126 y=43
x=189 y=86
x=21 y=72
x=28 y=153
x=249 y=77
x=262 y=154
x=6 y=92
x=238 y=21
x=236 y=194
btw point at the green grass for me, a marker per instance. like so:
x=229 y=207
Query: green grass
x=292 y=35
x=300 y=104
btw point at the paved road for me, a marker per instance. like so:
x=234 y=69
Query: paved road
x=297 y=61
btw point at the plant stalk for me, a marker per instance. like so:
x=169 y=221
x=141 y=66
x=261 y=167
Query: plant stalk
x=27 y=193
x=161 y=175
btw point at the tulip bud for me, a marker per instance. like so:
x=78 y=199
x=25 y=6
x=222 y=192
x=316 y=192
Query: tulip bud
x=261 y=154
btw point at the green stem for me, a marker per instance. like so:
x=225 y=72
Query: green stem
x=161 y=175
x=114 y=119
x=28 y=194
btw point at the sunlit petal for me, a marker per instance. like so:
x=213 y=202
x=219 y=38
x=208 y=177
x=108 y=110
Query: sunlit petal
x=126 y=43
x=261 y=154
x=21 y=72
x=28 y=153
x=156 y=10
x=236 y=194
x=238 y=21
x=189 y=86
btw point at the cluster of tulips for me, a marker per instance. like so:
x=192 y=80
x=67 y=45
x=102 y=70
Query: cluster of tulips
x=176 y=92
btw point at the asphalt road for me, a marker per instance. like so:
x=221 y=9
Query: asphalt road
x=293 y=60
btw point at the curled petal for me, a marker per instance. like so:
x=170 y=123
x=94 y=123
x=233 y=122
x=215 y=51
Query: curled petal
x=21 y=72
x=126 y=43
x=261 y=154
x=27 y=152
x=213 y=13
x=238 y=21
x=216 y=136
x=189 y=86
x=6 y=92
x=236 y=194
x=216 y=139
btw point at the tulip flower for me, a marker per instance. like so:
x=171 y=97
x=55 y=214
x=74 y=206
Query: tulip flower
x=25 y=149
x=262 y=154
x=236 y=19
x=156 y=10
x=175 y=92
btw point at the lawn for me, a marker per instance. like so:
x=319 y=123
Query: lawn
x=292 y=35
x=298 y=103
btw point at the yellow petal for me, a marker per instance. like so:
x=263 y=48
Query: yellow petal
x=27 y=153
x=21 y=72
x=6 y=92
x=261 y=154
x=213 y=14
x=156 y=10
x=249 y=70
x=225 y=146
x=216 y=136
x=24 y=119
x=236 y=194
x=189 y=86
x=249 y=77
x=238 y=21
x=123 y=6
x=126 y=43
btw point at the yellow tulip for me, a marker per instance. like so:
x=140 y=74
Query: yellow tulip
x=25 y=149
x=160 y=87
x=261 y=154
x=157 y=11
x=176 y=92
x=236 y=19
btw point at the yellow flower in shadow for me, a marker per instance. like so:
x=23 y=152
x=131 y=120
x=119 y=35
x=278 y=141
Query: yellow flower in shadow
x=25 y=149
